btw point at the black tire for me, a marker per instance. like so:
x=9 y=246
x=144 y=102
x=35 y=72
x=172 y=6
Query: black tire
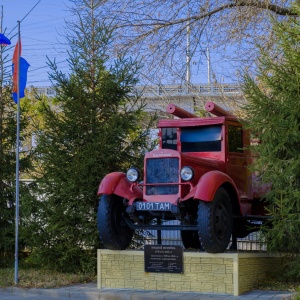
x=190 y=239
x=215 y=222
x=113 y=231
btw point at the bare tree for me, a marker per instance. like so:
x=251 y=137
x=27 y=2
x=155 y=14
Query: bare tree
x=166 y=33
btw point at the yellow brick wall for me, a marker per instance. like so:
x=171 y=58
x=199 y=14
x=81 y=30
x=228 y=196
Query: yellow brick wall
x=201 y=273
x=229 y=273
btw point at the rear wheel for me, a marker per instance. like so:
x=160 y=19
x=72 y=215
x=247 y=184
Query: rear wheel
x=190 y=239
x=215 y=222
x=113 y=230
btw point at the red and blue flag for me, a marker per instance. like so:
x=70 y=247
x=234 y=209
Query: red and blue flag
x=24 y=65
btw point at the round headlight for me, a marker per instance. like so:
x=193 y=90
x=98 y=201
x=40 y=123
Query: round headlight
x=132 y=174
x=186 y=173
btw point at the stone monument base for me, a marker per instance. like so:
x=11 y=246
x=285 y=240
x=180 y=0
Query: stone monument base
x=225 y=273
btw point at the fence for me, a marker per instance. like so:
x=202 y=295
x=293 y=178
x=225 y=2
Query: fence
x=252 y=242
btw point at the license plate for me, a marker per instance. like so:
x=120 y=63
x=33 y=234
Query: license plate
x=158 y=206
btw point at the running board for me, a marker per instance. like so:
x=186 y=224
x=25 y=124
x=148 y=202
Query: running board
x=253 y=217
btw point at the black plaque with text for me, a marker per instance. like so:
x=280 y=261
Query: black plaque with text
x=163 y=259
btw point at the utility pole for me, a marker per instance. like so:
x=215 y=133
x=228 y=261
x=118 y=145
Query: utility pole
x=209 y=71
x=188 y=54
x=208 y=65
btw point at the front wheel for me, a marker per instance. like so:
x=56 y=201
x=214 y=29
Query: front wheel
x=215 y=222
x=113 y=230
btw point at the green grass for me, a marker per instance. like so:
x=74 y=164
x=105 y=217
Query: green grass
x=34 y=278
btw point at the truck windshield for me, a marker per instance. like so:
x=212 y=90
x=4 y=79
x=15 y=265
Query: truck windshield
x=201 y=139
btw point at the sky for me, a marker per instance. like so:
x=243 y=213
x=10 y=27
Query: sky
x=42 y=34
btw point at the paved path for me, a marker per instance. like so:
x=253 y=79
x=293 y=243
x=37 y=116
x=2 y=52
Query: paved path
x=89 y=291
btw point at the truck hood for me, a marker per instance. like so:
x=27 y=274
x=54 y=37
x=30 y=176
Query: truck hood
x=214 y=164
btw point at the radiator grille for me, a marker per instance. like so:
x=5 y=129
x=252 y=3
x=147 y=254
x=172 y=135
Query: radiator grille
x=162 y=170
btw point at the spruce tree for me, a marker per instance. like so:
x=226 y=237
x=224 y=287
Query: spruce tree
x=274 y=118
x=93 y=126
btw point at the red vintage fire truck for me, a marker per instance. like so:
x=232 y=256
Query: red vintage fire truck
x=198 y=176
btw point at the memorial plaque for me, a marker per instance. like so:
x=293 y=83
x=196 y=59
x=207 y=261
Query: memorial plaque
x=163 y=259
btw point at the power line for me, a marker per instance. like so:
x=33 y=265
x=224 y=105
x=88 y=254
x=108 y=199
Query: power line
x=59 y=62
x=25 y=16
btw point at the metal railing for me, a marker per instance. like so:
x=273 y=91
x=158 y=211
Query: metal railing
x=252 y=242
x=177 y=90
x=167 y=90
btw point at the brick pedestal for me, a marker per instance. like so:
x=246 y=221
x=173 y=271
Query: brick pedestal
x=226 y=273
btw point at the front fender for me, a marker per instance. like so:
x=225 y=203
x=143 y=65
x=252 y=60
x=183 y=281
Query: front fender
x=208 y=184
x=117 y=183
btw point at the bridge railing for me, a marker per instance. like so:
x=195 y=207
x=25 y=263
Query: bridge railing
x=176 y=90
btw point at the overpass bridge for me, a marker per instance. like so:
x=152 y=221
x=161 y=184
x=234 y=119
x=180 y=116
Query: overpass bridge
x=190 y=98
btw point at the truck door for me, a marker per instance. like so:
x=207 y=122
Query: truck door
x=238 y=160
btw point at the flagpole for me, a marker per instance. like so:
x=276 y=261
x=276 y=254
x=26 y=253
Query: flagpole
x=17 y=162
